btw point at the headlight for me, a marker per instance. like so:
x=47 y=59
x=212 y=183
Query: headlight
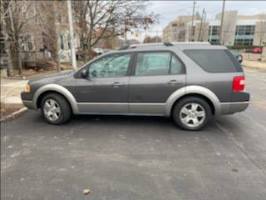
x=27 y=88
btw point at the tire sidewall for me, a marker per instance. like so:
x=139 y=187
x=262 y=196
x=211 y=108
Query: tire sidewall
x=63 y=107
x=179 y=105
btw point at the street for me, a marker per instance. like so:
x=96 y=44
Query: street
x=138 y=157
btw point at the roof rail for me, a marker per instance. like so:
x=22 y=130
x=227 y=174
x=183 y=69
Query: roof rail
x=132 y=46
x=168 y=44
x=180 y=43
x=124 y=47
x=144 y=45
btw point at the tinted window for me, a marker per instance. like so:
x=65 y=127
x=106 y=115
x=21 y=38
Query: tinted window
x=157 y=63
x=214 y=60
x=111 y=66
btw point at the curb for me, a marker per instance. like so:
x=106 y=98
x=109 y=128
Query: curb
x=14 y=114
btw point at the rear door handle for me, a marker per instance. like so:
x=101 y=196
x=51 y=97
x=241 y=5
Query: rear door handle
x=171 y=82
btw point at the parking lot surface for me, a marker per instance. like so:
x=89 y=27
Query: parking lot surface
x=138 y=157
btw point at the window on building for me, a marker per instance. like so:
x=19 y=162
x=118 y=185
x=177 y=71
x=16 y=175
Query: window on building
x=214 y=30
x=68 y=41
x=245 y=30
x=27 y=42
x=62 y=41
x=243 y=42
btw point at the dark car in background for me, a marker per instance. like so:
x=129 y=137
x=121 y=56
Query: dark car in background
x=237 y=55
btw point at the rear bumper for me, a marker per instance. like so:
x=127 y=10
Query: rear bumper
x=233 y=107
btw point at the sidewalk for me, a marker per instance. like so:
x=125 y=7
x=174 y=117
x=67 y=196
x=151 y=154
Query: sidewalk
x=10 y=95
x=254 y=64
x=11 y=89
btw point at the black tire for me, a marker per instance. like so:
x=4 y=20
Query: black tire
x=65 y=109
x=185 y=102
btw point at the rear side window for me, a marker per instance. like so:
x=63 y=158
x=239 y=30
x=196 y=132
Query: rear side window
x=157 y=63
x=214 y=60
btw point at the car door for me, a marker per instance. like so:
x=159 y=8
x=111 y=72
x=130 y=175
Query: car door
x=156 y=75
x=106 y=88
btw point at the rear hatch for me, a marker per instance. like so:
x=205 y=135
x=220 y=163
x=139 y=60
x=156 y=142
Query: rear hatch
x=224 y=74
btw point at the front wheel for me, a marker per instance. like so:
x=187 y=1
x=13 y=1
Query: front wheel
x=55 y=109
x=191 y=113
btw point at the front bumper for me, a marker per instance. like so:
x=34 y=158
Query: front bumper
x=27 y=100
x=29 y=104
x=233 y=107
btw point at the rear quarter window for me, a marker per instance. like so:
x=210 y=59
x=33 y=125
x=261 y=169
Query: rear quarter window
x=214 y=60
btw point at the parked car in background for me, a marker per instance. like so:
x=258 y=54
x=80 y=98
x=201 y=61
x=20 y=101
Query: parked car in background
x=257 y=50
x=189 y=82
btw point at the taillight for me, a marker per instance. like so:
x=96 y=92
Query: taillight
x=238 y=83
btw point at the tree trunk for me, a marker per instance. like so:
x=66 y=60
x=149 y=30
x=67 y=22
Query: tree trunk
x=19 y=63
x=58 y=66
x=13 y=57
x=10 y=66
x=57 y=61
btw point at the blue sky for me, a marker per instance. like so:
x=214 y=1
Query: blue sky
x=169 y=10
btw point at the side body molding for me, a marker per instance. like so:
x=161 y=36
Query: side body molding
x=193 y=89
x=60 y=89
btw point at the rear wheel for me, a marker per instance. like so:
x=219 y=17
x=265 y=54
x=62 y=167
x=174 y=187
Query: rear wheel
x=55 y=109
x=191 y=113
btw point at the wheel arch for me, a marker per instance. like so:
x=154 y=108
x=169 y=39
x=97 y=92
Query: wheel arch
x=54 y=88
x=197 y=91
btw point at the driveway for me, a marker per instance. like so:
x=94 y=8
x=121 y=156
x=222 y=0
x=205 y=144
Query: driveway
x=137 y=157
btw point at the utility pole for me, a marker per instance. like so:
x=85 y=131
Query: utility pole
x=222 y=23
x=201 y=24
x=192 y=24
x=73 y=52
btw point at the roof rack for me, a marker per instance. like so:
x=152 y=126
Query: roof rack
x=167 y=44
x=124 y=47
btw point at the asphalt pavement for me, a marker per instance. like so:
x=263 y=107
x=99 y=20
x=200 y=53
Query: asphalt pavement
x=137 y=157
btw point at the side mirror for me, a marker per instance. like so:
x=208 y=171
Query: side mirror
x=239 y=58
x=84 y=73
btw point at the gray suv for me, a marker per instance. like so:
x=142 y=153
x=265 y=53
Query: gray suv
x=189 y=82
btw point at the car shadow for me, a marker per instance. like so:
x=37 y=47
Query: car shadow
x=147 y=122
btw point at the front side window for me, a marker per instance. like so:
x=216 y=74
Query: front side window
x=157 y=63
x=115 y=65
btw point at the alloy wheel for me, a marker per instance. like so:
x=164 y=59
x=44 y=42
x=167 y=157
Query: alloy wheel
x=52 y=110
x=192 y=115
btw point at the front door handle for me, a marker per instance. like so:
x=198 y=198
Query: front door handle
x=171 y=82
x=116 y=84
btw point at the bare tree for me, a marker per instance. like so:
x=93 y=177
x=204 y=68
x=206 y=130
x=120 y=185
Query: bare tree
x=15 y=16
x=154 y=39
x=47 y=18
x=104 y=19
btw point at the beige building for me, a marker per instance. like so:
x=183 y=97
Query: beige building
x=176 y=30
x=199 y=32
x=238 y=30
